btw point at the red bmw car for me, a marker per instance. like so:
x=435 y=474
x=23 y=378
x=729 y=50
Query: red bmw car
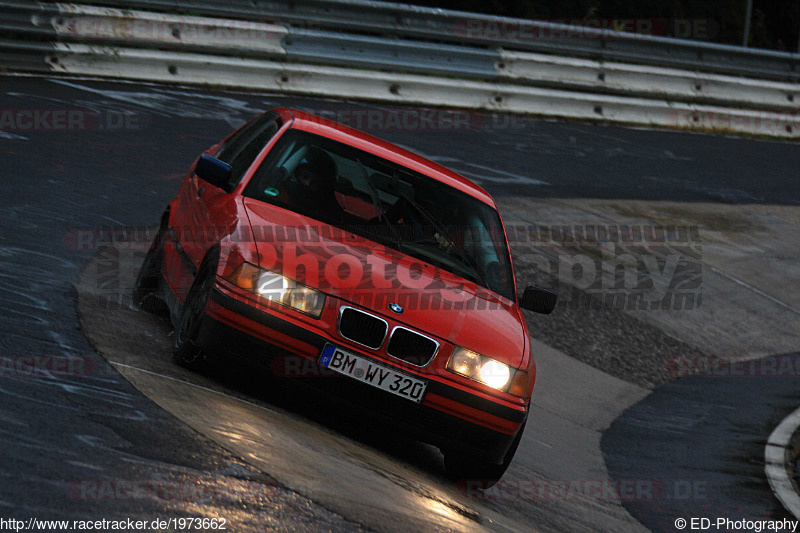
x=300 y=240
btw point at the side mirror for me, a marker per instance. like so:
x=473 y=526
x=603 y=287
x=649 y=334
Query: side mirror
x=213 y=171
x=538 y=300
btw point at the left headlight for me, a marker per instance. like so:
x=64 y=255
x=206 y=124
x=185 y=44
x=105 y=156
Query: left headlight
x=480 y=368
x=279 y=289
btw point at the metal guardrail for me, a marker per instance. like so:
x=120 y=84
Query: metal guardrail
x=90 y=24
x=259 y=53
x=82 y=24
x=403 y=55
x=371 y=17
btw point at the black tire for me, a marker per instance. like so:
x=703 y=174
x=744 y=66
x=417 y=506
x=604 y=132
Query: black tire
x=460 y=466
x=146 y=289
x=186 y=349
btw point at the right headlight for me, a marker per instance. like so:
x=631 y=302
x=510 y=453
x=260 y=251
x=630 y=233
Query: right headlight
x=277 y=288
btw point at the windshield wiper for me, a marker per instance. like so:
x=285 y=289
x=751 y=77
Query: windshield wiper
x=445 y=242
x=376 y=202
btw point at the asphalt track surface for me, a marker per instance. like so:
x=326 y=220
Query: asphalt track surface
x=709 y=432
x=63 y=435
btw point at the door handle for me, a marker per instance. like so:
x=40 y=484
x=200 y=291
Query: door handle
x=200 y=191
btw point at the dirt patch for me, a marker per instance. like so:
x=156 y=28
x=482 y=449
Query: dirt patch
x=674 y=215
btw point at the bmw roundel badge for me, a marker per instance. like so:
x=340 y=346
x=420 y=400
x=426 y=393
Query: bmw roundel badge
x=396 y=308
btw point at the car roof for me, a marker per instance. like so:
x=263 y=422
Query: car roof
x=373 y=145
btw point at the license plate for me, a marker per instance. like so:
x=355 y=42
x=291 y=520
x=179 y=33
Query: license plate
x=368 y=372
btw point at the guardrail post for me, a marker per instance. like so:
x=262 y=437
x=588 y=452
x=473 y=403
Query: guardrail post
x=747 y=17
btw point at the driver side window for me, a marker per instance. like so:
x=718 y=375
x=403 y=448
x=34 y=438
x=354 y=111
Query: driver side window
x=243 y=147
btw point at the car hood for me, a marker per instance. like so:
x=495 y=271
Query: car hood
x=372 y=276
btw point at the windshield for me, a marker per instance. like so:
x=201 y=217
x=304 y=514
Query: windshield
x=386 y=203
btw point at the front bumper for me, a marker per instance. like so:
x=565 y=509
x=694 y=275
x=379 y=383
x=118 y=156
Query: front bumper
x=448 y=417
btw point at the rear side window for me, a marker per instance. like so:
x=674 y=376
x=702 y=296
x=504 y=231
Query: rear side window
x=243 y=147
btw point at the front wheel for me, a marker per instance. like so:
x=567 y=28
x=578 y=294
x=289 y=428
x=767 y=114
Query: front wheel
x=460 y=466
x=146 y=288
x=187 y=352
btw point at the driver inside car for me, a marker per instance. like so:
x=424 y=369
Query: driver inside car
x=313 y=188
